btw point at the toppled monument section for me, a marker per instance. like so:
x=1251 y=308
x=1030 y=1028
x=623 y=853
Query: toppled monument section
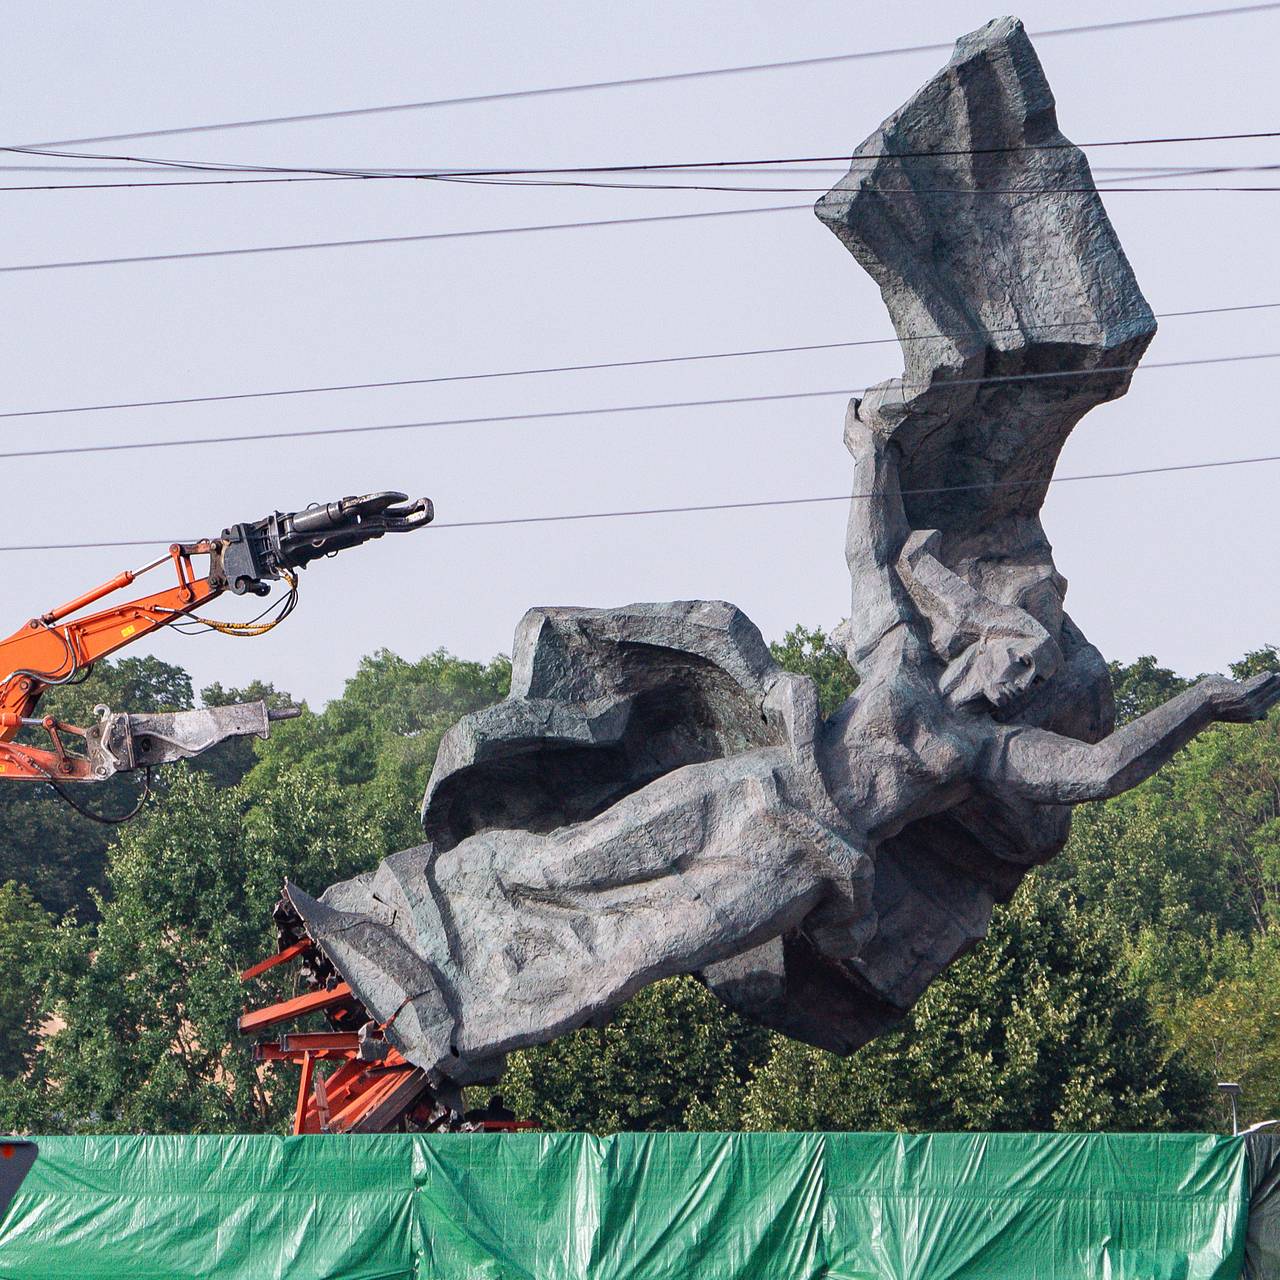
x=657 y=797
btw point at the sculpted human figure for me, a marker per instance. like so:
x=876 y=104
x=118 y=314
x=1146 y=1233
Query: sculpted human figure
x=513 y=935
x=658 y=797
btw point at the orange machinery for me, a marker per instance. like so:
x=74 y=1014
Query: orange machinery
x=60 y=647
x=371 y=1086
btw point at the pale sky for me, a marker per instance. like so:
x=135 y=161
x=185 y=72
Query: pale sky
x=1183 y=566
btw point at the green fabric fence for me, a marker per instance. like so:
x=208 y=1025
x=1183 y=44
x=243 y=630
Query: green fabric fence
x=842 y=1206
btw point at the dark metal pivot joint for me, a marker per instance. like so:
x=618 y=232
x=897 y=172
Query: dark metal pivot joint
x=253 y=553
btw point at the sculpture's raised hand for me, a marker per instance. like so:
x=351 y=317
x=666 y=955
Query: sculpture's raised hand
x=1244 y=701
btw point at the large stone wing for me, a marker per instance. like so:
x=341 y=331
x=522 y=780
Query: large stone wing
x=980 y=223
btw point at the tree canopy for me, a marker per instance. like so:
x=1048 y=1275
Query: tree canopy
x=1119 y=982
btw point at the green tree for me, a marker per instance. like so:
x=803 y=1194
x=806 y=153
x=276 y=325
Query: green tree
x=1229 y=1027
x=32 y=950
x=1141 y=686
x=1038 y=1028
x=150 y=1042
x=673 y=1058
x=44 y=843
x=1256 y=661
x=811 y=652
x=229 y=763
x=382 y=734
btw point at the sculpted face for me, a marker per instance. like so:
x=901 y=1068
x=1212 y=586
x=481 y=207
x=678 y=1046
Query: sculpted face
x=1001 y=671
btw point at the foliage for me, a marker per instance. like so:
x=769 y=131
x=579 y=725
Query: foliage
x=1256 y=661
x=33 y=948
x=150 y=1041
x=43 y=842
x=1230 y=1027
x=1116 y=985
x=811 y=652
x=148 y=1004
x=1039 y=1028
x=1142 y=686
x=673 y=1058
x=229 y=762
x=380 y=737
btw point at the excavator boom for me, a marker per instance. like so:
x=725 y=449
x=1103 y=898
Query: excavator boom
x=60 y=647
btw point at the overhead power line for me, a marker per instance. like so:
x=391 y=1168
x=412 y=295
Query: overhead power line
x=843 y=497
x=715 y=506
x=665 y=78
x=185 y=182
x=441 y=173
x=580 y=368
x=750 y=168
x=1107 y=185
x=548 y=415
x=192 y=255
x=384 y=240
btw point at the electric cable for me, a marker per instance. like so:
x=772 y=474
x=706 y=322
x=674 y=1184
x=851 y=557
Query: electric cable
x=666 y=78
x=838 y=497
x=667 y=186
x=189 y=182
x=162 y=164
x=578 y=368
x=192 y=255
x=640 y=186
x=724 y=506
x=742 y=167
x=385 y=240
x=551 y=414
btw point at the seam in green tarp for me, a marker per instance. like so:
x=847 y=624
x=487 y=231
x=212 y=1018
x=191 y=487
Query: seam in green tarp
x=839 y=1206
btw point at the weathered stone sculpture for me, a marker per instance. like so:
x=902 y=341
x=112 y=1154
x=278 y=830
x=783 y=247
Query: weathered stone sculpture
x=657 y=797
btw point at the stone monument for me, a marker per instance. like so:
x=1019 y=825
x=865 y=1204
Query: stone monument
x=658 y=797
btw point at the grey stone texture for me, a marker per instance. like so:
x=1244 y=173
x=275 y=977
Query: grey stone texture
x=658 y=797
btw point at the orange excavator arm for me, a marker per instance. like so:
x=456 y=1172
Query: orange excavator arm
x=60 y=647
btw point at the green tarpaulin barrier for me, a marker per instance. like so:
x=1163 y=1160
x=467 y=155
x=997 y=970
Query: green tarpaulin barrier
x=633 y=1207
x=1262 y=1241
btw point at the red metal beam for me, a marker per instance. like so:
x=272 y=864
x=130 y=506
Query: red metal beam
x=256 y=1019
x=281 y=957
x=272 y=1052
x=304 y=1092
x=345 y=1041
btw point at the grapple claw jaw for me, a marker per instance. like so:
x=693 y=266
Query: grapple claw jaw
x=267 y=548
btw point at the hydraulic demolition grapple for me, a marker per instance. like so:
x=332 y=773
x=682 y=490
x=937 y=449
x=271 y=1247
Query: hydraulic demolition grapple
x=58 y=649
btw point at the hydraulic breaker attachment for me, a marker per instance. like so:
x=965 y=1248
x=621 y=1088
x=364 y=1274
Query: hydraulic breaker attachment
x=121 y=741
x=254 y=552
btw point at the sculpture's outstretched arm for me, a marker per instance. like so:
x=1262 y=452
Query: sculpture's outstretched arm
x=878 y=529
x=1051 y=769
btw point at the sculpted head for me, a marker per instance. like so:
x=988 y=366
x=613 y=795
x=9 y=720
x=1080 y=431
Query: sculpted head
x=995 y=653
x=1000 y=670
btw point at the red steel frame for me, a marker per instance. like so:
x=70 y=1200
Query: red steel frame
x=356 y=1094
